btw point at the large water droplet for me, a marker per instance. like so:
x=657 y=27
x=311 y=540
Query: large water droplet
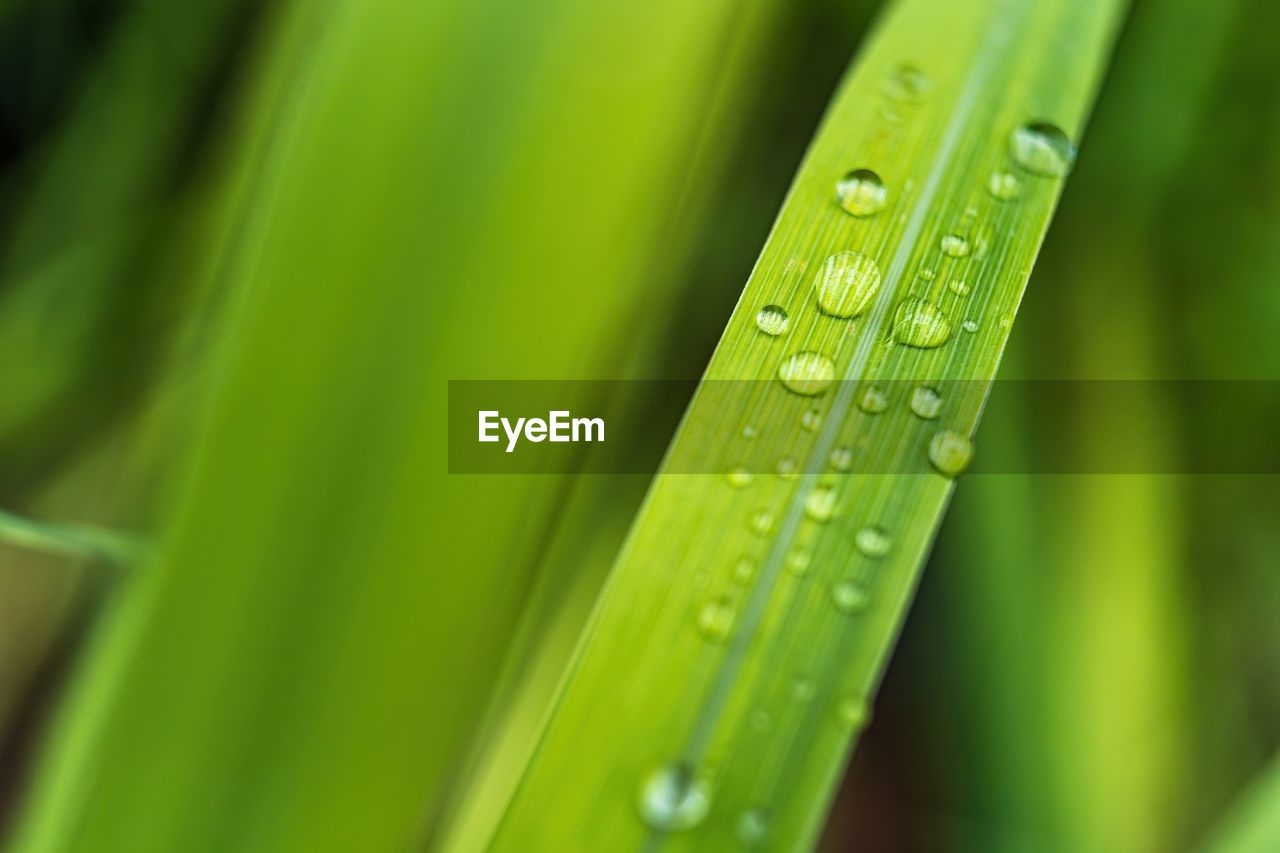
x=922 y=324
x=846 y=284
x=772 y=320
x=955 y=246
x=861 y=192
x=907 y=84
x=807 y=373
x=753 y=827
x=950 y=452
x=1004 y=186
x=849 y=597
x=673 y=798
x=820 y=505
x=872 y=541
x=715 y=619
x=925 y=403
x=1042 y=149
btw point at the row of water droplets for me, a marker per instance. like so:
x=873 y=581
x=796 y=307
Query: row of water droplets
x=675 y=797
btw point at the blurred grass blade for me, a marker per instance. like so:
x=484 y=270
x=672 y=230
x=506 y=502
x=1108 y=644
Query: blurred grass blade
x=710 y=705
x=280 y=660
x=72 y=540
x=1253 y=825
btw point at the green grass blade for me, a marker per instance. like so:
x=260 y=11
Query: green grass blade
x=752 y=718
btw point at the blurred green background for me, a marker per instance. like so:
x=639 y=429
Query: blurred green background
x=242 y=246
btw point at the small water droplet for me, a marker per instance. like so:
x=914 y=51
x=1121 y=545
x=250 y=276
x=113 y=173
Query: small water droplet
x=744 y=570
x=786 y=468
x=1006 y=320
x=820 y=505
x=928 y=274
x=807 y=373
x=959 y=287
x=921 y=324
x=907 y=84
x=872 y=541
x=1004 y=186
x=853 y=712
x=762 y=522
x=772 y=320
x=950 y=452
x=798 y=561
x=846 y=284
x=849 y=597
x=673 y=798
x=842 y=458
x=740 y=478
x=802 y=688
x=925 y=403
x=955 y=246
x=753 y=827
x=1042 y=149
x=873 y=401
x=715 y=619
x=811 y=420
x=861 y=192
x=970 y=325
x=749 y=432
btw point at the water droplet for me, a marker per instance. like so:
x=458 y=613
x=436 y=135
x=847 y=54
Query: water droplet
x=958 y=287
x=807 y=373
x=846 y=284
x=740 y=478
x=849 y=597
x=762 y=522
x=907 y=84
x=925 y=403
x=842 y=459
x=802 y=688
x=1006 y=320
x=921 y=324
x=749 y=432
x=673 y=798
x=744 y=570
x=753 y=826
x=1004 y=186
x=772 y=320
x=955 y=246
x=873 y=401
x=811 y=420
x=786 y=468
x=861 y=192
x=798 y=561
x=970 y=325
x=928 y=274
x=1042 y=149
x=715 y=619
x=872 y=541
x=950 y=452
x=853 y=712
x=820 y=505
